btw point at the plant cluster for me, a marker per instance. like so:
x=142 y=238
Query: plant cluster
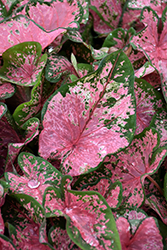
x=83 y=124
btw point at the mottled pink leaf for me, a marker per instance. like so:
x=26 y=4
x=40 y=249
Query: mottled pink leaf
x=152 y=43
x=91 y=121
x=160 y=124
x=89 y=213
x=134 y=217
x=148 y=103
x=147 y=236
x=106 y=15
x=22 y=30
x=6 y=90
x=158 y=204
x=31 y=130
x=60 y=239
x=23 y=64
x=135 y=164
x=57 y=67
x=37 y=172
x=5 y=243
x=27 y=237
x=156 y=5
x=111 y=192
x=3 y=109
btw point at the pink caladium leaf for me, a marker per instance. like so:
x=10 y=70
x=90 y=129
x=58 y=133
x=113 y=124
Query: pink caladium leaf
x=156 y=5
x=28 y=218
x=29 y=109
x=158 y=204
x=38 y=173
x=148 y=103
x=118 y=38
x=57 y=67
x=144 y=70
x=106 y=15
x=6 y=243
x=96 y=115
x=7 y=90
x=111 y=192
x=160 y=124
x=59 y=239
x=165 y=186
x=34 y=25
x=136 y=163
x=3 y=109
x=134 y=217
x=90 y=223
x=147 y=236
x=31 y=131
x=27 y=237
x=23 y=64
x=152 y=43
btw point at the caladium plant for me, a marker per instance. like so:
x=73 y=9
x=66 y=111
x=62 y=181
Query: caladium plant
x=83 y=125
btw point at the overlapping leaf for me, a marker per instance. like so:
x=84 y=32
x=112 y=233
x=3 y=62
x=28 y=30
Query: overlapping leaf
x=32 y=27
x=3 y=109
x=90 y=223
x=111 y=192
x=147 y=236
x=148 y=103
x=160 y=124
x=135 y=164
x=23 y=64
x=7 y=90
x=38 y=173
x=152 y=43
x=91 y=118
x=31 y=130
x=157 y=5
x=106 y=15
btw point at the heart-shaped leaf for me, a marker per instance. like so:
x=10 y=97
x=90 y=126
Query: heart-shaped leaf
x=38 y=173
x=147 y=236
x=96 y=115
x=90 y=223
x=23 y=64
x=136 y=163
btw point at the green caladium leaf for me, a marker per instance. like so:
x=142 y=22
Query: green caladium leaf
x=96 y=115
x=90 y=223
x=38 y=175
x=23 y=64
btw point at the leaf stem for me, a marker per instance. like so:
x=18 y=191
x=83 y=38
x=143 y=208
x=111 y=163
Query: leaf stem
x=156 y=184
